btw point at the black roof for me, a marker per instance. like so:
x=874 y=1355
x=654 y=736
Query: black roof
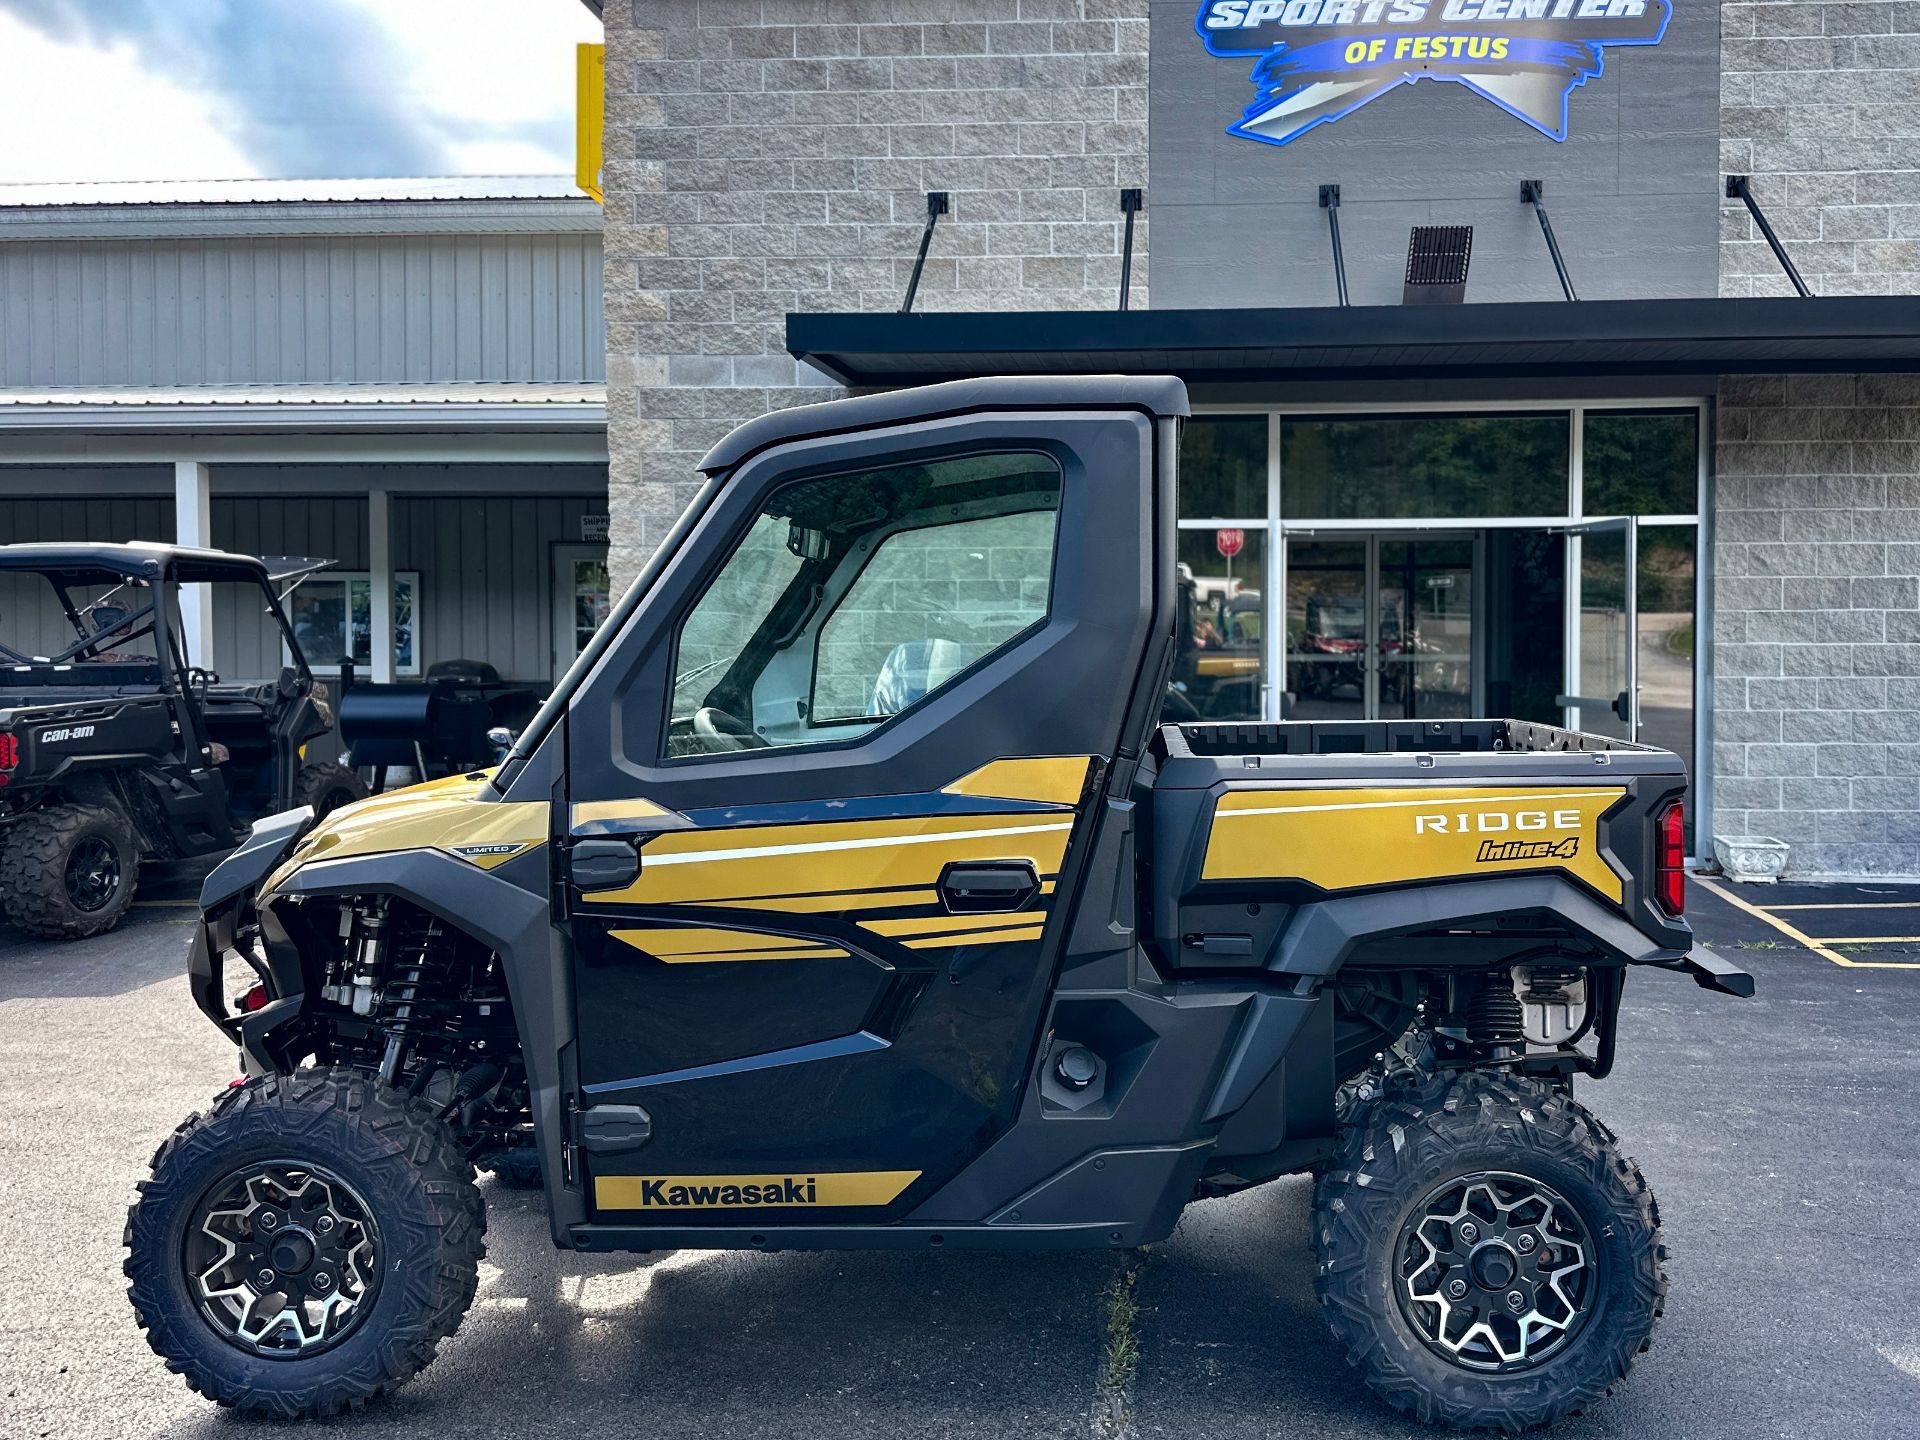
x=135 y=558
x=1535 y=339
x=1156 y=394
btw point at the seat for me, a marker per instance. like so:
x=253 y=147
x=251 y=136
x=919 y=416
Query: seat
x=913 y=670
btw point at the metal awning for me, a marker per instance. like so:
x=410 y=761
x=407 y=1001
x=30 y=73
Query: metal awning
x=1534 y=340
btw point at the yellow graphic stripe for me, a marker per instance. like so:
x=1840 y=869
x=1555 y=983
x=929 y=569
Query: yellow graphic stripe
x=974 y=937
x=838 y=901
x=696 y=946
x=1052 y=779
x=1346 y=838
x=929 y=924
x=752 y=1192
x=693 y=867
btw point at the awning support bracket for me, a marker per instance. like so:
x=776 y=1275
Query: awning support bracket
x=936 y=207
x=1330 y=202
x=1131 y=201
x=1530 y=193
x=1739 y=189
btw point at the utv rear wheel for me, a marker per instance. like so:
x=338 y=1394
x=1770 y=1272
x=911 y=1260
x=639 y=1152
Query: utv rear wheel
x=326 y=788
x=1487 y=1258
x=305 y=1244
x=69 y=870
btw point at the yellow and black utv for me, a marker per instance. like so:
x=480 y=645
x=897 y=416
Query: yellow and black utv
x=848 y=892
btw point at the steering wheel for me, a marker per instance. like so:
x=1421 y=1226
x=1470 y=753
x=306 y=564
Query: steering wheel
x=722 y=731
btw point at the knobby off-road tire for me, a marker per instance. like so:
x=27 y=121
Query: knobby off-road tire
x=68 y=871
x=326 y=787
x=385 y=1159
x=1396 y=1155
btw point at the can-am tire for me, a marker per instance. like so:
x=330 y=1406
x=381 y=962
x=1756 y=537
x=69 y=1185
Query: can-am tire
x=321 y=1193
x=326 y=787
x=68 y=871
x=1560 y=1230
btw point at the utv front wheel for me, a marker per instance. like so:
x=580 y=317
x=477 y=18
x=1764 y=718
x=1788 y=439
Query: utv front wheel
x=305 y=1244
x=326 y=788
x=1487 y=1258
x=69 y=871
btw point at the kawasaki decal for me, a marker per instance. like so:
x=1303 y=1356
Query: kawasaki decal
x=1318 y=60
x=731 y=1192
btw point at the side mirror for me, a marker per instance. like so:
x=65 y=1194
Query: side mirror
x=501 y=738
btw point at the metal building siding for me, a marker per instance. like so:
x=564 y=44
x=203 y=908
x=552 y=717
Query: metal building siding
x=301 y=309
x=486 y=573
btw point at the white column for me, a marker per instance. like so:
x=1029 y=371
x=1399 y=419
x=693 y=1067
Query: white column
x=380 y=583
x=193 y=525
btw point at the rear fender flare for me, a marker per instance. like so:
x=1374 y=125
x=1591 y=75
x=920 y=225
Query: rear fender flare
x=1323 y=934
x=498 y=908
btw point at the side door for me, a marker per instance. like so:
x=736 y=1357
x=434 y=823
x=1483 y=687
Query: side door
x=855 y=735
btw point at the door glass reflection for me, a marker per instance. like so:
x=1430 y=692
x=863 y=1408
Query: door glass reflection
x=1425 y=636
x=1329 y=668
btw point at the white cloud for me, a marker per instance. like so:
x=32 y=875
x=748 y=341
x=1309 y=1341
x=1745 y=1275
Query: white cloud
x=108 y=89
x=73 y=112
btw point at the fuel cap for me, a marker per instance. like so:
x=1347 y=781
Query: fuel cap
x=1076 y=1067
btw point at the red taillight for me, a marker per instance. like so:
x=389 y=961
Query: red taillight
x=254 y=999
x=9 y=751
x=1670 y=868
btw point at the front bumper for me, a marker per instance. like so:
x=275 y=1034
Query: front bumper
x=231 y=925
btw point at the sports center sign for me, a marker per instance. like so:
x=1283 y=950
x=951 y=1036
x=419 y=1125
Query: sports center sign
x=1318 y=60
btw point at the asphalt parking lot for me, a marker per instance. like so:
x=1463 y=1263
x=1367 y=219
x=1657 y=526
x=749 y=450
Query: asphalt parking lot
x=1781 y=1134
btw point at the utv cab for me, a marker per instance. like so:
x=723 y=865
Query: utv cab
x=115 y=749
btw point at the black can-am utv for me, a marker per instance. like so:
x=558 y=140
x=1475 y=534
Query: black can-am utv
x=114 y=749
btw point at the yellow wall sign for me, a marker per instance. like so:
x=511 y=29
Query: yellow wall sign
x=1343 y=839
x=590 y=113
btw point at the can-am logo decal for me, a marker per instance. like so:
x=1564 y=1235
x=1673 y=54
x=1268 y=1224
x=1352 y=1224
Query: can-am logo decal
x=1318 y=60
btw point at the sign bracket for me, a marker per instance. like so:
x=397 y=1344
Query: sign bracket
x=1530 y=193
x=936 y=207
x=1739 y=189
x=1330 y=202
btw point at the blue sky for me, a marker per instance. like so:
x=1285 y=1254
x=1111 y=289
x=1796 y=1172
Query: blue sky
x=234 y=89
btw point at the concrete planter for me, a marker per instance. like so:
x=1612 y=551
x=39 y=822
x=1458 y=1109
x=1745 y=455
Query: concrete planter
x=1750 y=857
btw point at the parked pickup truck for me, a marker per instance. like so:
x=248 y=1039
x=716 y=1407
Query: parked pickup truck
x=849 y=892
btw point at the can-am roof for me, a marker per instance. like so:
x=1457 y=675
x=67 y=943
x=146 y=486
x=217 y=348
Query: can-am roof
x=81 y=563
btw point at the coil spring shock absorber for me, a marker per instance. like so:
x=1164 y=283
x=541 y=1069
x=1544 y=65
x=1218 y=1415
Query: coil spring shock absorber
x=1494 y=1017
x=425 y=961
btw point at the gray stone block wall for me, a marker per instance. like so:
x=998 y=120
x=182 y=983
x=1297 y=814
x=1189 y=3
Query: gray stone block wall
x=1816 y=597
x=765 y=156
x=1818 y=106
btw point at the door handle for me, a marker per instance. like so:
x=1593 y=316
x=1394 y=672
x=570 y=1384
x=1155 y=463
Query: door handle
x=602 y=864
x=988 y=889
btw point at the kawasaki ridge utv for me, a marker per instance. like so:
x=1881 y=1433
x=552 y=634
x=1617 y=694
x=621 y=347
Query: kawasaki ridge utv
x=114 y=750
x=848 y=892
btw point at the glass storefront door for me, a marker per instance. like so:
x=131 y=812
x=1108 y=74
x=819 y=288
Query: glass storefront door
x=1380 y=627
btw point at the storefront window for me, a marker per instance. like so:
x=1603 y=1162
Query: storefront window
x=1412 y=466
x=1641 y=462
x=332 y=618
x=1223 y=467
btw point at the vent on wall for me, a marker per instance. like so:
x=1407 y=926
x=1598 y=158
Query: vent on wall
x=1437 y=259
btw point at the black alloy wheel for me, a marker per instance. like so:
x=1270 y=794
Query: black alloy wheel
x=93 y=874
x=283 y=1257
x=1497 y=1271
